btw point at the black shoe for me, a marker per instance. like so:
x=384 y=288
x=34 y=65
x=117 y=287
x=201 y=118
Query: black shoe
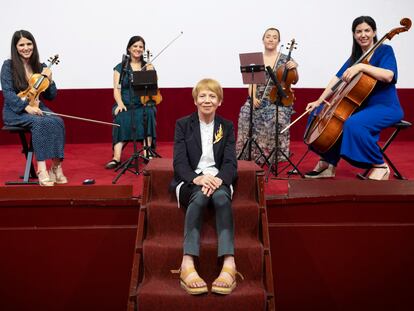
x=112 y=164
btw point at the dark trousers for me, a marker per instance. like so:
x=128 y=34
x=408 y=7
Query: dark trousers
x=195 y=201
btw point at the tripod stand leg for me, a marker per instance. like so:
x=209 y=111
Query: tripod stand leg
x=124 y=167
x=248 y=141
x=261 y=155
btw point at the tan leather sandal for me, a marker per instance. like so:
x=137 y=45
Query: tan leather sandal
x=229 y=287
x=186 y=284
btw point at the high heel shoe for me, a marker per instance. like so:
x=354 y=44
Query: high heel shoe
x=44 y=179
x=186 y=284
x=322 y=169
x=380 y=172
x=56 y=175
x=228 y=287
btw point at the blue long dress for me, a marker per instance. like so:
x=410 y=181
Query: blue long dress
x=48 y=132
x=124 y=133
x=361 y=131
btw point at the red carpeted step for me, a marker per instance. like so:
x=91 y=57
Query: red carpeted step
x=165 y=253
x=166 y=218
x=166 y=294
x=162 y=247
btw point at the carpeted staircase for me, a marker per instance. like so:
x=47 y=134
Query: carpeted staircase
x=159 y=247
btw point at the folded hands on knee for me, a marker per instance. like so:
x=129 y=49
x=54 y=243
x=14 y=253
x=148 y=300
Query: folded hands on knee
x=208 y=183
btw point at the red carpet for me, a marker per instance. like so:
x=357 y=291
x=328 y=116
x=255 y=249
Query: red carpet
x=162 y=247
x=87 y=161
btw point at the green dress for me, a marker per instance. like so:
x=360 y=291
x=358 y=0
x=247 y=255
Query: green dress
x=137 y=115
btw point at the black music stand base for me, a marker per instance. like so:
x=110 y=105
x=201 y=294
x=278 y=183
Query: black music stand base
x=273 y=167
x=133 y=161
x=250 y=141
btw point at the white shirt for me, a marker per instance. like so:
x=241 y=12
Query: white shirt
x=206 y=163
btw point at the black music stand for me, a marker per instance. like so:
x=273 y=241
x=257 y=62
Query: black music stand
x=276 y=149
x=143 y=83
x=253 y=72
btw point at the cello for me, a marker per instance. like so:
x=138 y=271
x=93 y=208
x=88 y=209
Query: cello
x=326 y=128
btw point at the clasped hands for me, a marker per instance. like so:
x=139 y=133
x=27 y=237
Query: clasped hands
x=208 y=183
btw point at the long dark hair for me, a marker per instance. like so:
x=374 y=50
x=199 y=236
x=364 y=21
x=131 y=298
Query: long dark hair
x=356 y=49
x=19 y=74
x=132 y=42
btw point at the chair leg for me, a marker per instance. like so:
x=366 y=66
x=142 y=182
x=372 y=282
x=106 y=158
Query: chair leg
x=29 y=171
x=397 y=174
x=28 y=166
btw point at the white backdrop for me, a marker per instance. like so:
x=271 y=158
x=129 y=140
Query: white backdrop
x=91 y=36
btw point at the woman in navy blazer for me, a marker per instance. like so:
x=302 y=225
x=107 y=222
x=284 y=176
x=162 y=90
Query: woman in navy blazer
x=205 y=167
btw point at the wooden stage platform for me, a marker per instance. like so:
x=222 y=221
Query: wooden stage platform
x=336 y=245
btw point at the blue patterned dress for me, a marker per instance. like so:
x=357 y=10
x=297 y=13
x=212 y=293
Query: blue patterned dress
x=125 y=131
x=48 y=132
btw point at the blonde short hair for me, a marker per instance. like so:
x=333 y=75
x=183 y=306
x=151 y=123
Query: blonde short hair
x=208 y=84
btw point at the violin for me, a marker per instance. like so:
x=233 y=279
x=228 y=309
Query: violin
x=157 y=98
x=38 y=83
x=270 y=91
x=286 y=78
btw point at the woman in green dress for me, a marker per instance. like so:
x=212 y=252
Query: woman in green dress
x=127 y=103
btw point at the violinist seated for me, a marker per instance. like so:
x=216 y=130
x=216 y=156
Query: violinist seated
x=127 y=103
x=381 y=109
x=264 y=112
x=48 y=132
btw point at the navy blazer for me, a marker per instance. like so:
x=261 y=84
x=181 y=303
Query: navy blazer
x=188 y=150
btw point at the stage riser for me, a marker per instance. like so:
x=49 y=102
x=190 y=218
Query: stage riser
x=353 y=254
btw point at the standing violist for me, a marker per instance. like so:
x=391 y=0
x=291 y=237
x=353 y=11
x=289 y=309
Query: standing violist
x=264 y=109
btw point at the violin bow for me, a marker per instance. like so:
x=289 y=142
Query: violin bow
x=78 y=118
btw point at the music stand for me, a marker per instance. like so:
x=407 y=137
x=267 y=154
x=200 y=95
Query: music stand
x=143 y=83
x=253 y=72
x=274 y=163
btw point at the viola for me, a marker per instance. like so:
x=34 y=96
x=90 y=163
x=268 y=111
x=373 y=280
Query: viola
x=38 y=83
x=327 y=127
x=157 y=98
x=286 y=78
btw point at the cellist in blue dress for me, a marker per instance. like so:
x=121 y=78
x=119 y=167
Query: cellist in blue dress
x=381 y=109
